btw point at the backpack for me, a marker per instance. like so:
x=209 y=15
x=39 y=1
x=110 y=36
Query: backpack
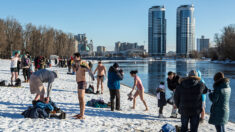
x=168 y=128
x=18 y=82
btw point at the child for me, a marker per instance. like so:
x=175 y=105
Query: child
x=161 y=98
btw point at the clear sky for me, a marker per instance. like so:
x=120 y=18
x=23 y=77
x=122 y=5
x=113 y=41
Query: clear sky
x=109 y=21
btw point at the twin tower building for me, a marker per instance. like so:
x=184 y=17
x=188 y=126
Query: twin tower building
x=185 y=31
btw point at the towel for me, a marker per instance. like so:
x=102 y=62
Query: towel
x=162 y=87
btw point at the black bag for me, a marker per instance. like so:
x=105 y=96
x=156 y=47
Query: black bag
x=90 y=89
x=18 y=82
x=2 y=83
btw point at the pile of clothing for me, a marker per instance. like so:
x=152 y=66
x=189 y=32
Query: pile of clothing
x=97 y=103
x=43 y=110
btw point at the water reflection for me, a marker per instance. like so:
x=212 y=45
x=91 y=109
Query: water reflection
x=156 y=74
x=151 y=73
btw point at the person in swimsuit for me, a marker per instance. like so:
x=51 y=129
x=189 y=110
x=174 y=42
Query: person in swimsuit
x=81 y=67
x=139 y=91
x=100 y=76
x=14 y=70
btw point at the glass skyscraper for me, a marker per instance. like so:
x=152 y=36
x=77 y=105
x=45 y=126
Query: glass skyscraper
x=185 y=30
x=157 y=31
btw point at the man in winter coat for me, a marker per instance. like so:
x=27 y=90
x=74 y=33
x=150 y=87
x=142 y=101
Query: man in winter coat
x=220 y=97
x=114 y=77
x=188 y=98
x=172 y=83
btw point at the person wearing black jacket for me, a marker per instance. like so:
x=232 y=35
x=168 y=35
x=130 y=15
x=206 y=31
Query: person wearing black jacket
x=172 y=83
x=188 y=98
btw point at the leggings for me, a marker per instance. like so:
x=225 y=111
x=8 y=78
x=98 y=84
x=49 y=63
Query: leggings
x=160 y=110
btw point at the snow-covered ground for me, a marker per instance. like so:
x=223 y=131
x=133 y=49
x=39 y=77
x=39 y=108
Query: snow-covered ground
x=13 y=101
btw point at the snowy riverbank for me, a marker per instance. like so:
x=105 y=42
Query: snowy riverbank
x=13 y=101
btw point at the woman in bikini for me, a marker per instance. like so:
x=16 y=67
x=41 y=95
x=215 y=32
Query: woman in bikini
x=100 y=76
x=139 y=91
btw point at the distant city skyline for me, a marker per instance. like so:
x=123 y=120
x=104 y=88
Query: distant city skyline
x=106 y=22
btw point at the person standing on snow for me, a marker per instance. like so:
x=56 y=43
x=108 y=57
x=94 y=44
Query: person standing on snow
x=81 y=67
x=188 y=98
x=172 y=83
x=220 y=97
x=114 y=76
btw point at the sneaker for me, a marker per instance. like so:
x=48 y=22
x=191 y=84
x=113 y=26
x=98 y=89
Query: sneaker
x=173 y=116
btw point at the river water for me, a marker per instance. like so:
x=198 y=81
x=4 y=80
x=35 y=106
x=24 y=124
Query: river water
x=151 y=73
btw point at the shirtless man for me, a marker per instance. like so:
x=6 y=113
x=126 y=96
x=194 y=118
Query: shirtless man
x=100 y=76
x=14 y=70
x=81 y=67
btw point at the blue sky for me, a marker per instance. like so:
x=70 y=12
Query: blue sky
x=109 y=21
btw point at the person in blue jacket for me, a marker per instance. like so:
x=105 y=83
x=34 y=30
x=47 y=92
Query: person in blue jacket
x=114 y=76
x=203 y=98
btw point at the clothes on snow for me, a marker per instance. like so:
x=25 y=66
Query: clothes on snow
x=114 y=77
x=219 y=112
x=33 y=112
x=39 y=110
x=173 y=83
x=46 y=76
x=44 y=106
x=97 y=103
x=188 y=96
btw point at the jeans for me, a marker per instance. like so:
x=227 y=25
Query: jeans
x=194 y=122
x=219 y=128
x=115 y=93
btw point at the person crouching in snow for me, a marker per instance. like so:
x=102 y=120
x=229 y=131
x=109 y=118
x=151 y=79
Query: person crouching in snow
x=139 y=91
x=36 y=83
x=81 y=67
x=161 y=98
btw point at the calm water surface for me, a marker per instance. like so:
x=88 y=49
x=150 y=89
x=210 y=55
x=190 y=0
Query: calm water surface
x=151 y=73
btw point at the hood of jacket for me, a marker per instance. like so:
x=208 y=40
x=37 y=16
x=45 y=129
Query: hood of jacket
x=189 y=81
x=222 y=83
x=112 y=69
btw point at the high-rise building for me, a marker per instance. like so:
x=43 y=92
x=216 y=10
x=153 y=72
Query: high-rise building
x=203 y=44
x=100 y=50
x=157 y=31
x=185 y=30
